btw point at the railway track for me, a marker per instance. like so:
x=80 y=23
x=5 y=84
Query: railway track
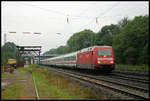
x=136 y=80
x=133 y=78
x=132 y=91
x=132 y=72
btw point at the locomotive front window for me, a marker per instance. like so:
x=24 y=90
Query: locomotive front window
x=107 y=52
x=100 y=52
x=104 y=52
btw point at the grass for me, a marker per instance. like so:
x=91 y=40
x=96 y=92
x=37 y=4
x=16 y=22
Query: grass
x=48 y=91
x=131 y=67
x=21 y=76
x=13 y=91
x=50 y=86
x=54 y=86
x=16 y=89
x=5 y=75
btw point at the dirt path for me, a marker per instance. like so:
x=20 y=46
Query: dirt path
x=26 y=78
x=29 y=87
x=11 y=79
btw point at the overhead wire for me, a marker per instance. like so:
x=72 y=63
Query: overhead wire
x=104 y=13
x=46 y=9
x=58 y=12
x=81 y=13
x=85 y=10
x=99 y=15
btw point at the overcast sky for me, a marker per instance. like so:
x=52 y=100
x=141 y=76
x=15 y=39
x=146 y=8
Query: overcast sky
x=50 y=18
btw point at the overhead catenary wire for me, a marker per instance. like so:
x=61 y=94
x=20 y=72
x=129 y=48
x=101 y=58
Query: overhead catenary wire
x=96 y=18
x=104 y=13
x=71 y=16
x=99 y=15
x=81 y=13
x=50 y=10
x=58 y=12
x=46 y=9
x=85 y=10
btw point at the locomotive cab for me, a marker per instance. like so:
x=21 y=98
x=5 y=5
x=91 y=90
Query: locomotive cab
x=104 y=58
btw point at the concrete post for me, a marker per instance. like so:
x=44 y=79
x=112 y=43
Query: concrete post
x=39 y=57
x=31 y=60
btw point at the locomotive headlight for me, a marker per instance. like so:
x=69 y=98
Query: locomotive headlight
x=111 y=62
x=98 y=62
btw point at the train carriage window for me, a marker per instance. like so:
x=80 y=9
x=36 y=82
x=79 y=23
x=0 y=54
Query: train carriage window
x=65 y=59
x=74 y=58
x=70 y=58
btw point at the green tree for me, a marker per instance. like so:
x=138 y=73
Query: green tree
x=105 y=36
x=122 y=23
x=8 y=51
x=131 y=40
x=81 y=40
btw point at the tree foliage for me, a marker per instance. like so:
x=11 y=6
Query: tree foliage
x=132 y=41
x=9 y=51
x=81 y=40
x=105 y=36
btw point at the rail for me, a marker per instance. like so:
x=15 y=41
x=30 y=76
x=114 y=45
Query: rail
x=36 y=91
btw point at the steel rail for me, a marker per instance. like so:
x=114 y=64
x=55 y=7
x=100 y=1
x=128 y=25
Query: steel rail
x=36 y=91
x=111 y=81
x=126 y=79
x=130 y=78
x=131 y=72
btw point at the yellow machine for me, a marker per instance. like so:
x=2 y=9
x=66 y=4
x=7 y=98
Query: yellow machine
x=12 y=61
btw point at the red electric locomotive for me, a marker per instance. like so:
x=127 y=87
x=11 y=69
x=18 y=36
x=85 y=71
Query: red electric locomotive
x=95 y=57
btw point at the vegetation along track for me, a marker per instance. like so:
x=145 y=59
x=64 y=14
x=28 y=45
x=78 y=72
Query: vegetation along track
x=130 y=89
